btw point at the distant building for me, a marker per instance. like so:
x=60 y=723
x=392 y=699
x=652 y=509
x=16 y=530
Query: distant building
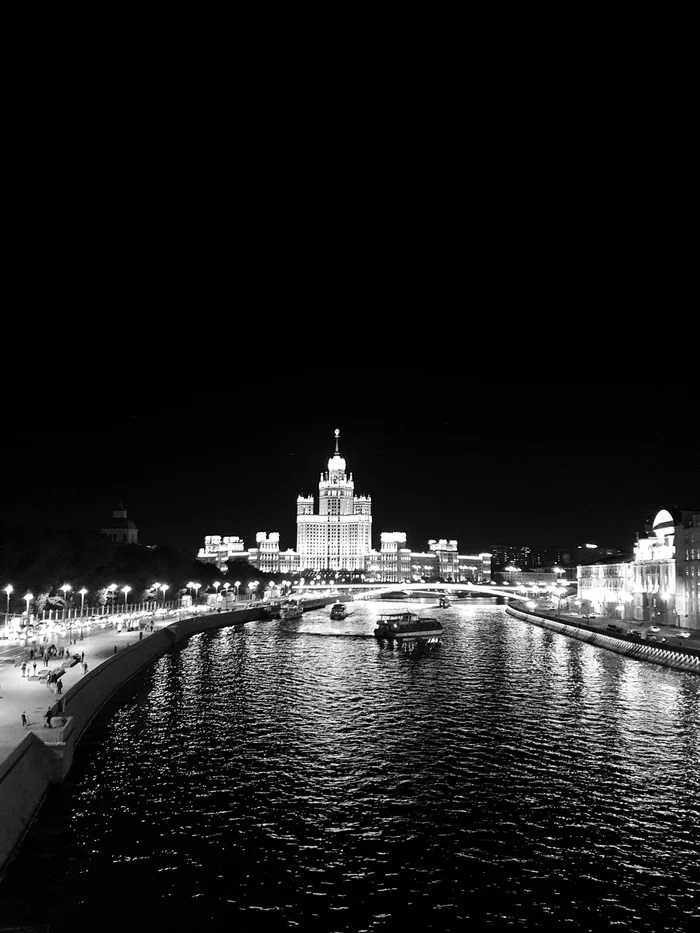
x=339 y=536
x=338 y=539
x=217 y=550
x=503 y=555
x=122 y=530
x=660 y=584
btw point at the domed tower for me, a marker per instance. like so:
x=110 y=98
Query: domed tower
x=122 y=530
x=340 y=536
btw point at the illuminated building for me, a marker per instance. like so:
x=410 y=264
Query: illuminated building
x=339 y=538
x=122 y=530
x=688 y=569
x=661 y=583
x=217 y=550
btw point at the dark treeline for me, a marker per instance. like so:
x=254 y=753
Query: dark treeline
x=40 y=561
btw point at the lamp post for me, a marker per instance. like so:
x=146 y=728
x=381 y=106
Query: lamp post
x=216 y=586
x=237 y=584
x=189 y=588
x=29 y=597
x=195 y=587
x=66 y=589
x=252 y=586
x=163 y=588
x=125 y=591
x=8 y=589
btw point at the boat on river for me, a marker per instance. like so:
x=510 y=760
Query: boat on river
x=338 y=611
x=291 y=609
x=400 y=626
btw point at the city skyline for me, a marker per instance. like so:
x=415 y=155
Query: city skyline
x=516 y=480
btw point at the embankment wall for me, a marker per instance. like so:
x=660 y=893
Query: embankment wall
x=677 y=658
x=27 y=774
x=25 y=778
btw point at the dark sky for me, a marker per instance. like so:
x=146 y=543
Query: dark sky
x=462 y=418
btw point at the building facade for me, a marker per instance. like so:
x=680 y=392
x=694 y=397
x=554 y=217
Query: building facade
x=660 y=584
x=339 y=535
x=121 y=530
x=338 y=538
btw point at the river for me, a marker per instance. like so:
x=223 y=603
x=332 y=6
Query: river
x=296 y=775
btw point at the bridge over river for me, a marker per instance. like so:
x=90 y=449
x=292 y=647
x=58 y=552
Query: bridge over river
x=373 y=590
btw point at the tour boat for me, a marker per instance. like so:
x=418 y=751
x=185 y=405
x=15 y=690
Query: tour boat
x=291 y=609
x=400 y=625
x=338 y=611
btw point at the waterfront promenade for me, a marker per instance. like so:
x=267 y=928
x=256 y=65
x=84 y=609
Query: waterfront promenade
x=31 y=695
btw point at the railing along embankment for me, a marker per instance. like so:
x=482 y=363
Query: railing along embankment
x=676 y=657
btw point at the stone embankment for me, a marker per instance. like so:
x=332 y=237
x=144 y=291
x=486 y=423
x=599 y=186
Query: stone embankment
x=679 y=658
x=27 y=773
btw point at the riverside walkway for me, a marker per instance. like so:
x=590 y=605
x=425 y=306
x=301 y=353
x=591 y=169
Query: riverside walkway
x=32 y=696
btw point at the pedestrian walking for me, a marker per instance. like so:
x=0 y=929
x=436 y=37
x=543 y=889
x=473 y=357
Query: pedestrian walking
x=35 y=668
x=25 y=721
x=140 y=635
x=82 y=655
x=31 y=654
x=47 y=717
x=115 y=649
x=84 y=667
x=59 y=686
x=24 y=668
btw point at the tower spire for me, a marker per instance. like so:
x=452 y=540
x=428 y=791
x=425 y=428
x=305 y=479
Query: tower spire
x=337 y=435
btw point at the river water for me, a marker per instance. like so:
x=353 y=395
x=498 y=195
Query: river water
x=296 y=775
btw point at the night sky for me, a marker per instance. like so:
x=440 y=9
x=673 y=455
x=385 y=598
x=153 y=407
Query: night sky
x=459 y=419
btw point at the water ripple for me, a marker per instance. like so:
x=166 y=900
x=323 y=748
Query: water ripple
x=301 y=776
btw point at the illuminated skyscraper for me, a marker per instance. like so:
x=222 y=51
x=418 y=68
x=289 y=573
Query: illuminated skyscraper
x=339 y=536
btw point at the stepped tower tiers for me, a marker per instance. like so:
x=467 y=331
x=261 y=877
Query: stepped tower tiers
x=340 y=536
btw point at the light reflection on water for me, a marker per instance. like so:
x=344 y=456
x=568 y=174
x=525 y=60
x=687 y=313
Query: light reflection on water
x=300 y=776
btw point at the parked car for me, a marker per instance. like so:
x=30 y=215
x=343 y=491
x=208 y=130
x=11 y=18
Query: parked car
x=614 y=628
x=681 y=634
x=654 y=628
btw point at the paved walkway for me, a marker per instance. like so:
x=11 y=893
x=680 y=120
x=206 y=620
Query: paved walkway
x=668 y=632
x=31 y=695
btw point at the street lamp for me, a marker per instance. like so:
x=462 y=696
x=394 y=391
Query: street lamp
x=125 y=591
x=8 y=589
x=66 y=589
x=163 y=588
x=29 y=597
x=189 y=588
x=252 y=587
x=237 y=584
x=195 y=587
x=216 y=586
x=82 y=600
